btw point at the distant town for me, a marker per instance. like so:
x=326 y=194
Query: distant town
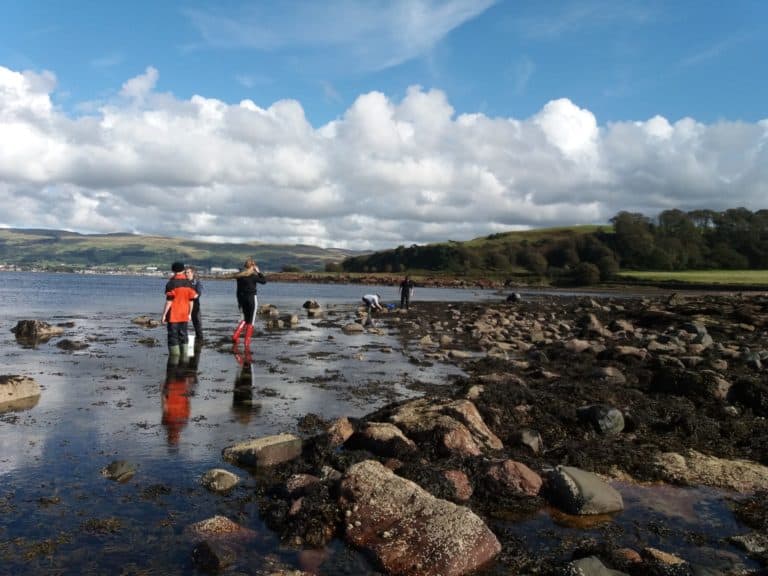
x=123 y=270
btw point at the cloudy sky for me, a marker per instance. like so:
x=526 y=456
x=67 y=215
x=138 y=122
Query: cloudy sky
x=375 y=123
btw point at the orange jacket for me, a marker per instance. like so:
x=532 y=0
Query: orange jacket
x=180 y=294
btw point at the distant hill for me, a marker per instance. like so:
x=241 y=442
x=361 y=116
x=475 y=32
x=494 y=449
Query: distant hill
x=59 y=249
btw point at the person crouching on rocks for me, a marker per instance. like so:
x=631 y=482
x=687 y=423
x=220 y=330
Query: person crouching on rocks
x=248 y=280
x=178 y=296
x=372 y=302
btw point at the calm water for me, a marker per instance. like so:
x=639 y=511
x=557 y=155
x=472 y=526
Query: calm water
x=109 y=402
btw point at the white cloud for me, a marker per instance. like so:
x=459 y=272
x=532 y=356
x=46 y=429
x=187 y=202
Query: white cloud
x=139 y=87
x=385 y=173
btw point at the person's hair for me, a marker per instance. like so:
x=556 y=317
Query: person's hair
x=250 y=263
x=177 y=267
x=191 y=269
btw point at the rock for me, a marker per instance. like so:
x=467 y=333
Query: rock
x=633 y=351
x=70 y=345
x=661 y=557
x=35 y=330
x=530 y=438
x=146 y=321
x=18 y=393
x=219 y=480
x=217 y=526
x=610 y=375
x=381 y=438
x=590 y=566
x=577 y=491
x=119 y=471
x=297 y=484
x=577 y=346
x=513 y=478
x=339 y=431
x=214 y=555
x=218 y=542
x=604 y=419
x=265 y=451
x=754 y=543
x=694 y=468
x=591 y=325
x=353 y=328
x=459 y=481
x=409 y=531
x=311 y=305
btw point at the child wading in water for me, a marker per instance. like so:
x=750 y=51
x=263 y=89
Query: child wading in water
x=179 y=294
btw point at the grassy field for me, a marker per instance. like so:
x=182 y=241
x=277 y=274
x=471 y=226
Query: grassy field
x=751 y=277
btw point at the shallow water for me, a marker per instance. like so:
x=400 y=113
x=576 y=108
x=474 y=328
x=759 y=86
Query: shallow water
x=118 y=399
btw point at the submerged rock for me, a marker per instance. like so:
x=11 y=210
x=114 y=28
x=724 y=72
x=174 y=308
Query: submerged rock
x=219 y=480
x=18 y=393
x=36 y=330
x=119 y=471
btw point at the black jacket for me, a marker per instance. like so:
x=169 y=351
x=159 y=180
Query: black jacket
x=247 y=285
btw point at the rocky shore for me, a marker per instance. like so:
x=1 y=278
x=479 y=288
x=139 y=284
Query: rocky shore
x=565 y=398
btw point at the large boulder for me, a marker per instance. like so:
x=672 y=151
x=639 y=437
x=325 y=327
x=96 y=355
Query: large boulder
x=409 y=531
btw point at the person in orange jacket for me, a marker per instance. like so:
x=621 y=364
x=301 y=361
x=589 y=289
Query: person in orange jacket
x=178 y=296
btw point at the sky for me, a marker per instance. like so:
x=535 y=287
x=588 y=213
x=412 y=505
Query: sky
x=370 y=124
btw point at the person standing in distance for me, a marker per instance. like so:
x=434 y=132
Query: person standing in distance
x=406 y=291
x=248 y=280
x=194 y=280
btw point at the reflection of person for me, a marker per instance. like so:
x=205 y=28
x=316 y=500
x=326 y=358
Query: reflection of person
x=247 y=301
x=406 y=291
x=178 y=295
x=191 y=273
x=176 y=405
x=372 y=302
x=242 y=394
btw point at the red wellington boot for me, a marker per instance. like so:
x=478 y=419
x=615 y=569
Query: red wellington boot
x=248 y=334
x=238 y=331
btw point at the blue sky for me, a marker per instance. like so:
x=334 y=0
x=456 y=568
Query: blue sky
x=376 y=123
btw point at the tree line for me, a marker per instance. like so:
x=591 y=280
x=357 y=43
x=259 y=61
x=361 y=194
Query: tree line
x=674 y=240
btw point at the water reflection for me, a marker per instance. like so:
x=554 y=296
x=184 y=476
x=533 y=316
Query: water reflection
x=178 y=388
x=243 y=405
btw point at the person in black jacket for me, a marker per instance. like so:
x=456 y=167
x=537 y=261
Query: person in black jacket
x=406 y=290
x=247 y=301
x=191 y=273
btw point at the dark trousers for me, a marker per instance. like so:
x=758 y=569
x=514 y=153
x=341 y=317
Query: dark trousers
x=196 y=322
x=177 y=334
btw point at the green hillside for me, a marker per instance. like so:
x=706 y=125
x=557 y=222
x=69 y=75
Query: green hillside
x=528 y=253
x=58 y=249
